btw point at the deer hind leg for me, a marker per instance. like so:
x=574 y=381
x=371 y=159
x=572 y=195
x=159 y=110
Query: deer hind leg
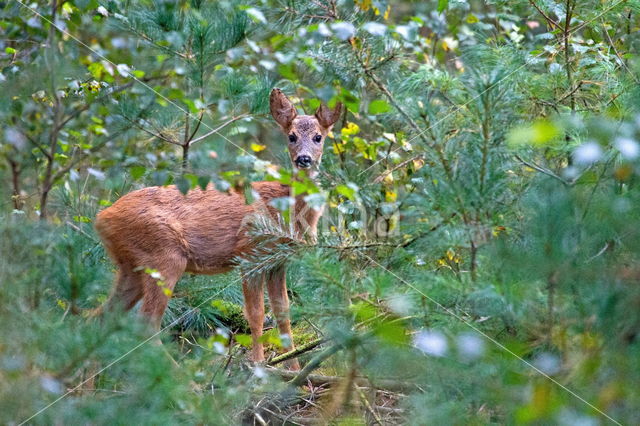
x=253 y=291
x=127 y=290
x=157 y=291
x=279 y=300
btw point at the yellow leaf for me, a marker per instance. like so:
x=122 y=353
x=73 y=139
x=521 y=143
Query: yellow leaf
x=609 y=394
x=450 y=254
x=338 y=148
x=350 y=130
x=623 y=173
x=472 y=19
x=390 y=196
x=498 y=230
x=255 y=147
x=386 y=12
x=364 y=5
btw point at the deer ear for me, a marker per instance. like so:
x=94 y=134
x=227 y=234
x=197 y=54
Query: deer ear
x=327 y=116
x=282 y=109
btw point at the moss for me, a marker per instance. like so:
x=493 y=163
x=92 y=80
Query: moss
x=302 y=334
x=231 y=315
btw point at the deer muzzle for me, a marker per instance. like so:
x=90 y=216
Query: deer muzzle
x=303 y=161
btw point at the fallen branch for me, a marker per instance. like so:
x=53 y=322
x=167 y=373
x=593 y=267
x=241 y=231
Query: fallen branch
x=319 y=380
x=315 y=362
x=296 y=352
x=368 y=406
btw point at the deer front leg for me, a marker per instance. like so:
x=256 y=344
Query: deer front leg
x=254 y=312
x=279 y=300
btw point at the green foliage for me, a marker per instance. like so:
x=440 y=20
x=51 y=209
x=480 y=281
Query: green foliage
x=479 y=235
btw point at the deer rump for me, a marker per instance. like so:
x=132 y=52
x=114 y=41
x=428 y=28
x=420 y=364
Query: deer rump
x=200 y=232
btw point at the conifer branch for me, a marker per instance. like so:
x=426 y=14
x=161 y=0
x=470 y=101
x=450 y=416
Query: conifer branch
x=217 y=129
x=552 y=23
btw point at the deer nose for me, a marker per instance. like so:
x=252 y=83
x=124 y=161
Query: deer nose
x=304 y=161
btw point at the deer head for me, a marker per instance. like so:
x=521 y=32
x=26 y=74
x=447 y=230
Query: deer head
x=306 y=133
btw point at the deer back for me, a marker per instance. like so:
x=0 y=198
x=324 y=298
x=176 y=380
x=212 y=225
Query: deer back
x=207 y=227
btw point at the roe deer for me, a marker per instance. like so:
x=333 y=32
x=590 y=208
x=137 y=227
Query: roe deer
x=203 y=231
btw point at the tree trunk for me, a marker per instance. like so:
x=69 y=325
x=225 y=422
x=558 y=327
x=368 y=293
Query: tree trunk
x=15 y=181
x=46 y=188
x=43 y=204
x=185 y=157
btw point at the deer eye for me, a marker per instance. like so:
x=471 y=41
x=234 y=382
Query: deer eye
x=317 y=138
x=292 y=138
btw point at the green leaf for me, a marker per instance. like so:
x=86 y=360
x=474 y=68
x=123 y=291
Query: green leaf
x=243 y=339
x=272 y=337
x=193 y=180
x=348 y=191
x=442 y=5
x=10 y=50
x=183 y=185
x=221 y=306
x=160 y=178
x=351 y=101
x=539 y=133
x=203 y=181
x=362 y=311
x=379 y=106
x=392 y=332
x=288 y=71
x=312 y=104
x=137 y=172
x=96 y=69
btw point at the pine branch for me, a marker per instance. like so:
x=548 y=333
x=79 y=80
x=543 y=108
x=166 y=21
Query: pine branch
x=217 y=129
x=153 y=43
x=86 y=106
x=549 y=19
x=381 y=177
x=622 y=61
x=37 y=145
x=542 y=170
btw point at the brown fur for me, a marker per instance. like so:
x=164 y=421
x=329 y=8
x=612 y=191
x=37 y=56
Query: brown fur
x=202 y=232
